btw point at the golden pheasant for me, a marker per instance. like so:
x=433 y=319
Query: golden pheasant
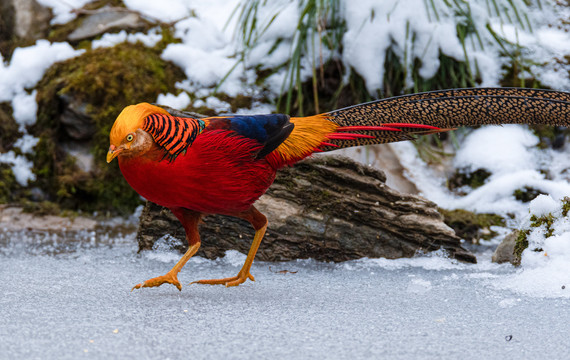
x=222 y=165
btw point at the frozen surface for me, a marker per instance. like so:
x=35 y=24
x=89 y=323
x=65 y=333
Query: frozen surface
x=71 y=299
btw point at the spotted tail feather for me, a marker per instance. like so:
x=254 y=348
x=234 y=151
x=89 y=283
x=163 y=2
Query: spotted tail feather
x=403 y=117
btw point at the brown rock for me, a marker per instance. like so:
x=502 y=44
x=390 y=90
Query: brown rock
x=107 y=18
x=329 y=209
x=505 y=251
x=30 y=19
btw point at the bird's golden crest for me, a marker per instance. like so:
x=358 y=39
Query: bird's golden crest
x=130 y=119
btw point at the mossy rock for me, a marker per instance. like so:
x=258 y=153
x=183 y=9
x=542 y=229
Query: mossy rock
x=9 y=132
x=521 y=243
x=10 y=190
x=473 y=179
x=526 y=194
x=545 y=221
x=471 y=226
x=62 y=31
x=104 y=80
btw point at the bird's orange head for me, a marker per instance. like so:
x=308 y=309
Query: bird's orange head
x=127 y=136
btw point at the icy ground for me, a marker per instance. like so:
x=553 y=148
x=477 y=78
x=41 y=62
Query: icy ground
x=71 y=299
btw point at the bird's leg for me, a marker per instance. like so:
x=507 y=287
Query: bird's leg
x=259 y=223
x=189 y=220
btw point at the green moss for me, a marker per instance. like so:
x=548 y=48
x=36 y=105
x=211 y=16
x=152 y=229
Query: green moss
x=565 y=206
x=105 y=80
x=472 y=179
x=521 y=243
x=546 y=220
x=10 y=189
x=59 y=33
x=471 y=226
x=526 y=194
x=41 y=208
x=8 y=128
x=167 y=38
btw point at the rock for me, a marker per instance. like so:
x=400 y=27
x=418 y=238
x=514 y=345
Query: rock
x=81 y=151
x=77 y=123
x=471 y=226
x=105 y=19
x=505 y=251
x=327 y=208
x=31 y=20
x=23 y=19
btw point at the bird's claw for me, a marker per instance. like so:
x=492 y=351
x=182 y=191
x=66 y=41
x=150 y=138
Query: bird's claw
x=240 y=278
x=157 y=281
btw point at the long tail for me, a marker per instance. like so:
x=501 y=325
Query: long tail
x=404 y=117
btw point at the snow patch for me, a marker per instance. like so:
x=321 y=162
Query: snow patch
x=26 y=143
x=543 y=205
x=498 y=149
x=545 y=264
x=24 y=108
x=180 y=101
x=514 y=164
x=21 y=167
x=164 y=10
x=63 y=9
x=109 y=40
x=28 y=65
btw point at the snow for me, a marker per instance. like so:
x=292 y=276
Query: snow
x=65 y=299
x=164 y=10
x=210 y=52
x=21 y=167
x=63 y=9
x=26 y=143
x=26 y=68
x=507 y=153
x=543 y=205
x=500 y=150
x=545 y=263
x=149 y=39
x=24 y=108
x=180 y=101
x=28 y=65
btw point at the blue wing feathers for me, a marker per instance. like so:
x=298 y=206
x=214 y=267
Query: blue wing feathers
x=270 y=130
x=258 y=127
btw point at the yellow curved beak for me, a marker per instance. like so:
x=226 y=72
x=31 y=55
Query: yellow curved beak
x=113 y=152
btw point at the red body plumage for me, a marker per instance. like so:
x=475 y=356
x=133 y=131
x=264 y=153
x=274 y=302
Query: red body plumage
x=219 y=174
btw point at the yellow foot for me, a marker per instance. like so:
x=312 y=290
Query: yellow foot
x=231 y=281
x=157 y=281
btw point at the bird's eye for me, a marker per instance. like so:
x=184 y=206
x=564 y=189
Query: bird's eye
x=130 y=137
